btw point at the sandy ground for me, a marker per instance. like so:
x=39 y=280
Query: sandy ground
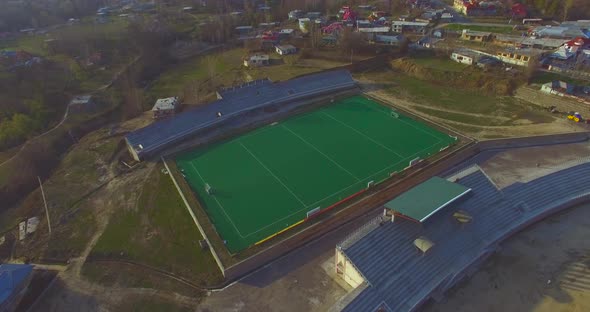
x=295 y=283
x=545 y=268
x=526 y=164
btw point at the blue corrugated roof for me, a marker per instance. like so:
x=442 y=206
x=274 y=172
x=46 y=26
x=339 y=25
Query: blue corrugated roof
x=11 y=276
x=402 y=277
x=162 y=133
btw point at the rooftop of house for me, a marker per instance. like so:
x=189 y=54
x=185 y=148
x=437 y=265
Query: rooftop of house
x=286 y=47
x=469 y=32
x=408 y=23
x=81 y=100
x=166 y=104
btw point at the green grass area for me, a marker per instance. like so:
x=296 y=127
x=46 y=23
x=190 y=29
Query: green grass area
x=437 y=63
x=160 y=233
x=270 y=178
x=494 y=29
x=35 y=44
x=207 y=73
x=441 y=96
x=544 y=77
x=7 y=154
x=69 y=238
x=223 y=67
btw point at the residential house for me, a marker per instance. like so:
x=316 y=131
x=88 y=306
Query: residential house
x=519 y=10
x=566 y=30
x=520 y=57
x=408 y=27
x=528 y=42
x=386 y=40
x=557 y=87
x=286 y=33
x=285 y=49
x=257 y=60
x=296 y=14
x=165 y=107
x=476 y=7
x=465 y=57
x=244 y=31
x=477 y=36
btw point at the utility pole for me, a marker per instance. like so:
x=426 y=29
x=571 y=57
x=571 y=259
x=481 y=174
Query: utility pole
x=45 y=202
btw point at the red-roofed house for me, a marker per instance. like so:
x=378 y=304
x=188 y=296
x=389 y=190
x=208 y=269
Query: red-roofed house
x=475 y=7
x=519 y=10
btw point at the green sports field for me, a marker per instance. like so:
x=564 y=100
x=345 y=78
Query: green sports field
x=269 y=179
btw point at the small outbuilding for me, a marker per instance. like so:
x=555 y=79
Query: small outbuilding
x=82 y=103
x=286 y=49
x=165 y=107
x=257 y=60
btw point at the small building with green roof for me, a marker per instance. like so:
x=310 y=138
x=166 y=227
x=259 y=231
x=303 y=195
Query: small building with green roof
x=424 y=200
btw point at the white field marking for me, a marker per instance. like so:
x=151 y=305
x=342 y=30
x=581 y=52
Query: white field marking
x=364 y=135
x=327 y=157
x=269 y=171
x=217 y=201
x=409 y=124
x=307 y=207
x=370 y=176
x=230 y=219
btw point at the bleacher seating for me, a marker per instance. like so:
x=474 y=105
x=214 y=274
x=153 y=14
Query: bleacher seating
x=399 y=275
x=236 y=101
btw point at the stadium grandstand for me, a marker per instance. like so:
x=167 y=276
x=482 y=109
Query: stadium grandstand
x=231 y=103
x=399 y=265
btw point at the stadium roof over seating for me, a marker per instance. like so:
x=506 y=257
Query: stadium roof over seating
x=400 y=276
x=235 y=101
x=424 y=200
x=11 y=276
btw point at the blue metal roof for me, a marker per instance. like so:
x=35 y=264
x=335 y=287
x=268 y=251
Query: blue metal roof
x=235 y=101
x=11 y=276
x=399 y=275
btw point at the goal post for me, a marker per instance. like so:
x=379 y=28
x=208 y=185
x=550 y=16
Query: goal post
x=414 y=161
x=394 y=113
x=313 y=211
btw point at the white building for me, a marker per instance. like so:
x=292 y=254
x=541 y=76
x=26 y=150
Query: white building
x=286 y=49
x=165 y=107
x=403 y=26
x=464 y=57
x=257 y=60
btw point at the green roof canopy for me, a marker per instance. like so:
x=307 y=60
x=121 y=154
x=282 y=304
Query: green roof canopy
x=425 y=199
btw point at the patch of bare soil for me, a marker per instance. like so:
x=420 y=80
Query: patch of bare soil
x=522 y=129
x=526 y=164
x=545 y=268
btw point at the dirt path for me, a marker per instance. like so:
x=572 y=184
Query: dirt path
x=65 y=116
x=474 y=130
